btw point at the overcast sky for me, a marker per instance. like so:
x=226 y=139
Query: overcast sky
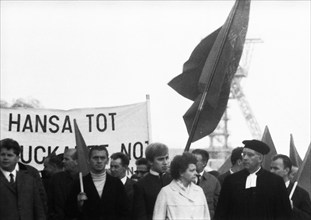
x=70 y=54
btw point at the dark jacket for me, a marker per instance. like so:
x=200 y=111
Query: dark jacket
x=22 y=199
x=59 y=188
x=301 y=202
x=267 y=201
x=36 y=175
x=146 y=191
x=112 y=205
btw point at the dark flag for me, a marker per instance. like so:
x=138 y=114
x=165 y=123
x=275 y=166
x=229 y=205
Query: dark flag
x=266 y=138
x=82 y=151
x=225 y=166
x=207 y=75
x=304 y=172
x=293 y=153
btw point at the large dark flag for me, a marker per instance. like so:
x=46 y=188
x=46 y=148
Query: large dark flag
x=266 y=138
x=225 y=166
x=207 y=75
x=293 y=153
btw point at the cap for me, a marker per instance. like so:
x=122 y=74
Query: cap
x=256 y=145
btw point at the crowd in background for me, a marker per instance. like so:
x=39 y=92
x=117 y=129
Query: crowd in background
x=159 y=189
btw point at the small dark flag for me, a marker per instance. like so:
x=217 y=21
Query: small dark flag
x=293 y=153
x=207 y=75
x=225 y=166
x=266 y=138
x=304 y=173
x=82 y=151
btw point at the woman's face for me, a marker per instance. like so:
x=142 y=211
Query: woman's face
x=190 y=174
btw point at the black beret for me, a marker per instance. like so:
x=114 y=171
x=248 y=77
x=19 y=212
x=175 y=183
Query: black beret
x=256 y=145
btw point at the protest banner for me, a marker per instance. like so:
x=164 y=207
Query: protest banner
x=41 y=132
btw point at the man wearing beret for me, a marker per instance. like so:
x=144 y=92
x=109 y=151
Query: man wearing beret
x=253 y=193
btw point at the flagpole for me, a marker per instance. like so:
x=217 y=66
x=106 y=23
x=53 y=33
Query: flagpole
x=210 y=79
x=196 y=120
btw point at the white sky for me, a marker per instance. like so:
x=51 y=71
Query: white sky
x=74 y=54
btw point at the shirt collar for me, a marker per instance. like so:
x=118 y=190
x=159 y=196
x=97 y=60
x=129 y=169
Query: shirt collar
x=7 y=173
x=287 y=183
x=155 y=173
x=123 y=180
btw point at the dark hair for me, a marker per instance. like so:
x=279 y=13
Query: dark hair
x=154 y=150
x=180 y=164
x=9 y=144
x=124 y=158
x=236 y=154
x=141 y=161
x=203 y=153
x=99 y=148
x=55 y=160
x=286 y=161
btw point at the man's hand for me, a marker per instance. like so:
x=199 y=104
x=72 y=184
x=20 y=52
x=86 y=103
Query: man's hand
x=81 y=198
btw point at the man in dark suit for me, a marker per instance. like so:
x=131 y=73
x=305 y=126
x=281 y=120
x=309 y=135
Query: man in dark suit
x=19 y=194
x=104 y=196
x=236 y=161
x=118 y=167
x=253 y=193
x=208 y=182
x=60 y=185
x=148 y=187
x=300 y=202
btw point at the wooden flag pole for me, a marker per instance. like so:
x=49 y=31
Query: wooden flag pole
x=293 y=190
x=81 y=182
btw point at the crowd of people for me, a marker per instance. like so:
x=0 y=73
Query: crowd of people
x=158 y=190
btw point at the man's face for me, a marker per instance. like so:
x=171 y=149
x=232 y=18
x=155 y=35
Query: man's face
x=200 y=163
x=251 y=159
x=190 y=174
x=69 y=163
x=277 y=167
x=141 y=170
x=98 y=161
x=116 y=168
x=8 y=159
x=160 y=163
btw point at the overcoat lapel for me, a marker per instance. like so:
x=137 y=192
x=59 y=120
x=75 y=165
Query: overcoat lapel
x=6 y=183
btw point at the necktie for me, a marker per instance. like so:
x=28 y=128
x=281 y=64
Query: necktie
x=11 y=178
x=199 y=178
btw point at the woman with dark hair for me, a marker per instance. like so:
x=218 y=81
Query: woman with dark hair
x=182 y=199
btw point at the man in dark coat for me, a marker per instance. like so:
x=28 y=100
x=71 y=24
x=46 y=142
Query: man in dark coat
x=236 y=161
x=118 y=167
x=105 y=195
x=19 y=194
x=253 y=193
x=148 y=187
x=300 y=202
x=60 y=185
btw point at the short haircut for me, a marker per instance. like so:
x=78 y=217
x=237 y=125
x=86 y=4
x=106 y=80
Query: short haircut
x=99 y=148
x=55 y=160
x=203 y=153
x=141 y=161
x=74 y=155
x=123 y=157
x=236 y=154
x=286 y=161
x=154 y=150
x=9 y=144
x=180 y=164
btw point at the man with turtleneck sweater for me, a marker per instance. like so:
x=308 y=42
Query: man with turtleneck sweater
x=148 y=187
x=105 y=195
